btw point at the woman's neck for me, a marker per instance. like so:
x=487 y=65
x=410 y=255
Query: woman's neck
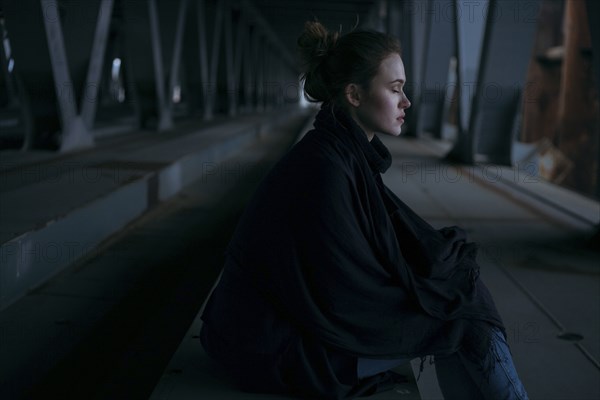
x=352 y=114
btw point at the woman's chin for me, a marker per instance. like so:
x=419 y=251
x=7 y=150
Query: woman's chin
x=396 y=132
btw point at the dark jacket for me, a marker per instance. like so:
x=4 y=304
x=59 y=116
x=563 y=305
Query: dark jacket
x=327 y=265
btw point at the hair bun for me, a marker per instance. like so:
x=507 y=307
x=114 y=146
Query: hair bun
x=330 y=60
x=315 y=44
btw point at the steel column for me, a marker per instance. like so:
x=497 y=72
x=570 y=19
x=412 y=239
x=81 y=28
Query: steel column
x=11 y=89
x=174 y=72
x=165 y=120
x=144 y=51
x=510 y=32
x=251 y=69
x=46 y=70
x=259 y=72
x=419 y=21
x=239 y=56
x=96 y=64
x=229 y=59
x=439 y=47
x=469 y=30
x=203 y=59
x=593 y=13
x=214 y=59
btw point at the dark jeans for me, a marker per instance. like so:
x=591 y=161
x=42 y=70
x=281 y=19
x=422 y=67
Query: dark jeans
x=462 y=379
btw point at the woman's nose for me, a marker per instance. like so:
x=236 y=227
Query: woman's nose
x=405 y=103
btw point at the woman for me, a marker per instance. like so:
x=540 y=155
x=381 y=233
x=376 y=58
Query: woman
x=330 y=279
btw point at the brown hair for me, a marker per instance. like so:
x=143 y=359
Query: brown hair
x=331 y=61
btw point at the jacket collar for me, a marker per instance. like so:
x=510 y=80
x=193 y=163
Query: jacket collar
x=338 y=121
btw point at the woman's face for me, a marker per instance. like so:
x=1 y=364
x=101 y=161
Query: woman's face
x=381 y=108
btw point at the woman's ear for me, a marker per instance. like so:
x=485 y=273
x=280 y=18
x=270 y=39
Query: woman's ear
x=352 y=94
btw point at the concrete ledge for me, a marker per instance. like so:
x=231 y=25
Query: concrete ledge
x=192 y=374
x=55 y=213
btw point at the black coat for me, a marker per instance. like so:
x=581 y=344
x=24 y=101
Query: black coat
x=327 y=264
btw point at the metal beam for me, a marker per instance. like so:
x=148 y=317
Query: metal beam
x=239 y=55
x=259 y=72
x=250 y=69
x=593 y=14
x=145 y=60
x=255 y=16
x=203 y=58
x=510 y=31
x=229 y=59
x=165 y=120
x=419 y=24
x=174 y=76
x=74 y=134
x=401 y=23
x=469 y=31
x=214 y=59
x=89 y=99
x=439 y=47
x=7 y=76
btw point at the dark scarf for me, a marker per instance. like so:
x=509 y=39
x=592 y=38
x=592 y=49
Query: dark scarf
x=333 y=118
x=438 y=268
x=343 y=259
